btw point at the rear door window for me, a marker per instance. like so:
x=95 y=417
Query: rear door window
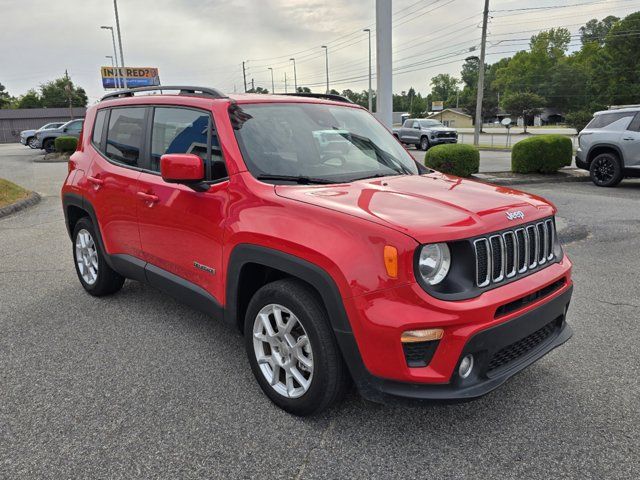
x=125 y=135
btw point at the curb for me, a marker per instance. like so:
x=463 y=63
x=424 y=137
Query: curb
x=31 y=200
x=53 y=158
x=501 y=178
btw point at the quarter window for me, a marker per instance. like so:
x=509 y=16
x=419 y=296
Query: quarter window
x=124 y=137
x=180 y=130
x=606 y=119
x=635 y=124
x=98 y=127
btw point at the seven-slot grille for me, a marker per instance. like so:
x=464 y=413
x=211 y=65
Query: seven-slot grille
x=514 y=252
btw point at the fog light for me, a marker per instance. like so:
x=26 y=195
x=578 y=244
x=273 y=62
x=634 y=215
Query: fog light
x=466 y=365
x=413 y=336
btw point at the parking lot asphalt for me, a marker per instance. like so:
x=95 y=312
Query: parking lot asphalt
x=139 y=386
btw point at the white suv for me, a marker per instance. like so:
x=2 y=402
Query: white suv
x=609 y=147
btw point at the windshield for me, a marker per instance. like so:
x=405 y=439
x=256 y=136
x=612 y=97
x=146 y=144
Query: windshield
x=316 y=143
x=430 y=123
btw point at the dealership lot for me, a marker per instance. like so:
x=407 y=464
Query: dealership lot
x=138 y=386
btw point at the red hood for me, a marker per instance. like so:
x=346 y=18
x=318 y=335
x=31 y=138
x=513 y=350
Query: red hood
x=429 y=208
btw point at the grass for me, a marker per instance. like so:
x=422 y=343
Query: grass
x=11 y=193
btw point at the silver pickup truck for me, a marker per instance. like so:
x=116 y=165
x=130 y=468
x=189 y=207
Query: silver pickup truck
x=425 y=133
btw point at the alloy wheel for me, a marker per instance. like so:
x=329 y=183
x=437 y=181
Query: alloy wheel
x=86 y=257
x=283 y=351
x=604 y=169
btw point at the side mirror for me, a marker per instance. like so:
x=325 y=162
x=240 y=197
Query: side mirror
x=65 y=129
x=185 y=168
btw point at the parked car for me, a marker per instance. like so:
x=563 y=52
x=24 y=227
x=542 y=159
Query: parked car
x=28 y=137
x=609 y=146
x=425 y=133
x=300 y=221
x=45 y=139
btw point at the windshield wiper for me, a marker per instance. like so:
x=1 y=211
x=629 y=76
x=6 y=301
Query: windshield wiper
x=299 y=179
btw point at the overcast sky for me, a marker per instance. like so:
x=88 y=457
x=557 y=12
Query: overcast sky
x=203 y=42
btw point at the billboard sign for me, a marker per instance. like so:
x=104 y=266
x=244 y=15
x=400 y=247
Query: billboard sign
x=136 y=77
x=437 y=106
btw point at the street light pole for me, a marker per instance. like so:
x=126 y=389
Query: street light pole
x=285 y=82
x=295 y=75
x=384 y=56
x=273 y=86
x=115 y=55
x=111 y=57
x=326 y=55
x=480 y=94
x=368 y=30
x=124 y=76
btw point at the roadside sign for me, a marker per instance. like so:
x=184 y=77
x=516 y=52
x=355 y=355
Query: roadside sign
x=136 y=76
x=437 y=106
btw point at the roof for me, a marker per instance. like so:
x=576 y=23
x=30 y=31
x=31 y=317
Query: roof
x=457 y=111
x=26 y=113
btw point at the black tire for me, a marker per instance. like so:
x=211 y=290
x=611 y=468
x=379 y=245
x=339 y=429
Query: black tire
x=424 y=144
x=108 y=281
x=49 y=145
x=330 y=378
x=29 y=142
x=606 y=170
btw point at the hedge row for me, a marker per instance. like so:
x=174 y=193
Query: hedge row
x=455 y=159
x=66 y=144
x=542 y=154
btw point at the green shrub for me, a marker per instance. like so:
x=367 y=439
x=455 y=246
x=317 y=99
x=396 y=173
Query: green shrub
x=454 y=158
x=542 y=154
x=66 y=144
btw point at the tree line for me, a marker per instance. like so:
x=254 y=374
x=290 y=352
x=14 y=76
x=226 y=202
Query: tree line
x=57 y=93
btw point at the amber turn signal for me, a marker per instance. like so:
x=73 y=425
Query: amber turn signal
x=391 y=260
x=413 y=336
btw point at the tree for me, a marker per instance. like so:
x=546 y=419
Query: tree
x=444 y=87
x=5 y=98
x=31 y=99
x=60 y=92
x=304 y=90
x=597 y=30
x=523 y=104
x=260 y=90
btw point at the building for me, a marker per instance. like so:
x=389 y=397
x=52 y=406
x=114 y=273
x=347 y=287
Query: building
x=12 y=122
x=453 y=117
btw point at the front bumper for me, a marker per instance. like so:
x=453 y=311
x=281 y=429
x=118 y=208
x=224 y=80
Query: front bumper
x=474 y=326
x=440 y=141
x=484 y=346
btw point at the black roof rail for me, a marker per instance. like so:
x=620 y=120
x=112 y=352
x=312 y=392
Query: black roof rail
x=183 y=90
x=326 y=96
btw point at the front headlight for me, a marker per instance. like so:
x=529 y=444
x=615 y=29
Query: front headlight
x=434 y=263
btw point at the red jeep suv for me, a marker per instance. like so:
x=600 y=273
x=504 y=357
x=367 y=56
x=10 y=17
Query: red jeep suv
x=302 y=221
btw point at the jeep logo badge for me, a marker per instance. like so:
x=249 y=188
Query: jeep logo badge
x=517 y=214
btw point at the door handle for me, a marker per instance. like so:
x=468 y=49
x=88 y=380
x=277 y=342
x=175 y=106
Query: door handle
x=147 y=197
x=628 y=138
x=97 y=182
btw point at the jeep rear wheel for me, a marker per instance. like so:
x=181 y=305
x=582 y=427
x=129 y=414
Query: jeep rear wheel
x=292 y=349
x=606 y=170
x=95 y=275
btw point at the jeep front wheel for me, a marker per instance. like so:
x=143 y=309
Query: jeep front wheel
x=606 y=170
x=292 y=349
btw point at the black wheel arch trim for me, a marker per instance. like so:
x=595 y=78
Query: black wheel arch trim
x=612 y=146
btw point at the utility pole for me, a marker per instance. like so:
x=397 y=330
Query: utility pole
x=368 y=30
x=244 y=77
x=273 y=85
x=384 y=56
x=480 y=97
x=253 y=86
x=67 y=89
x=285 y=82
x=326 y=56
x=124 y=76
x=295 y=75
